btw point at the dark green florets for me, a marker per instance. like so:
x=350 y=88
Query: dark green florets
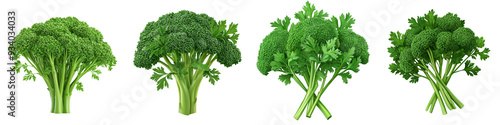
x=230 y=55
x=318 y=28
x=182 y=32
x=69 y=37
x=445 y=38
x=445 y=43
x=406 y=61
x=273 y=43
x=349 y=39
x=450 y=22
x=465 y=38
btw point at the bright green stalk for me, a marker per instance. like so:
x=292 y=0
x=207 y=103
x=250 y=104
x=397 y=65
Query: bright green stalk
x=322 y=90
x=310 y=91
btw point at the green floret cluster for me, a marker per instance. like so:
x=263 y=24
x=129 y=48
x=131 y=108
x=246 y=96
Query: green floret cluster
x=62 y=50
x=317 y=48
x=437 y=47
x=186 y=44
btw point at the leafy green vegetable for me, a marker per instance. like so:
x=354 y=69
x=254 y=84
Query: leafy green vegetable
x=317 y=48
x=62 y=50
x=189 y=44
x=437 y=47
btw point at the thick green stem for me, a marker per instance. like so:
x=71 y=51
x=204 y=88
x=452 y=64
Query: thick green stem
x=322 y=90
x=436 y=91
x=310 y=91
x=320 y=105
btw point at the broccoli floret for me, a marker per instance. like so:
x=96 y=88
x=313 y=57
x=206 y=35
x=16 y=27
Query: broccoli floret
x=349 y=39
x=318 y=28
x=406 y=61
x=409 y=35
x=187 y=44
x=273 y=43
x=62 y=50
x=450 y=22
x=445 y=43
x=435 y=48
x=231 y=54
x=465 y=38
x=314 y=49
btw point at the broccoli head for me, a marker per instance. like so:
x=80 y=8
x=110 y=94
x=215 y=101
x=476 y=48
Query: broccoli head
x=273 y=43
x=450 y=22
x=62 y=50
x=318 y=28
x=312 y=48
x=435 y=48
x=187 y=44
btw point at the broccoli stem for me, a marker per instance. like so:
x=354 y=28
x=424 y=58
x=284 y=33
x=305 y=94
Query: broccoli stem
x=441 y=81
x=188 y=79
x=310 y=91
x=450 y=70
x=436 y=91
x=322 y=90
x=320 y=105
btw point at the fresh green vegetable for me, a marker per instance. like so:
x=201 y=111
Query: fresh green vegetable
x=62 y=50
x=189 y=43
x=317 y=48
x=435 y=48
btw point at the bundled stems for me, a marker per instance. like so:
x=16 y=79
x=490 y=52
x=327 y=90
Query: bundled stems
x=439 y=81
x=188 y=79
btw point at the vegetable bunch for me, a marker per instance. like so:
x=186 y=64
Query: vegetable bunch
x=312 y=52
x=435 y=48
x=62 y=50
x=186 y=44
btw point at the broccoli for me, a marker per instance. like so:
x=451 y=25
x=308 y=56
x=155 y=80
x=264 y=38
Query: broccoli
x=435 y=48
x=189 y=43
x=313 y=48
x=62 y=50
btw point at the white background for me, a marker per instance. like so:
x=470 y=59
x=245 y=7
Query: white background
x=126 y=96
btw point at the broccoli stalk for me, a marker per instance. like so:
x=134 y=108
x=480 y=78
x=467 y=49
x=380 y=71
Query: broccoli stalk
x=315 y=48
x=189 y=44
x=438 y=47
x=62 y=50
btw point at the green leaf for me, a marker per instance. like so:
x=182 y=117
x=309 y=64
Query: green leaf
x=354 y=65
x=160 y=77
x=329 y=51
x=480 y=42
x=95 y=74
x=161 y=83
x=279 y=62
x=397 y=39
x=282 y=24
x=29 y=75
x=470 y=69
x=200 y=66
x=347 y=57
x=320 y=14
x=346 y=21
x=212 y=75
x=159 y=70
x=345 y=76
x=307 y=12
x=335 y=22
x=321 y=75
x=484 y=54
x=414 y=79
x=417 y=24
x=431 y=19
x=393 y=67
x=285 y=78
x=79 y=86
